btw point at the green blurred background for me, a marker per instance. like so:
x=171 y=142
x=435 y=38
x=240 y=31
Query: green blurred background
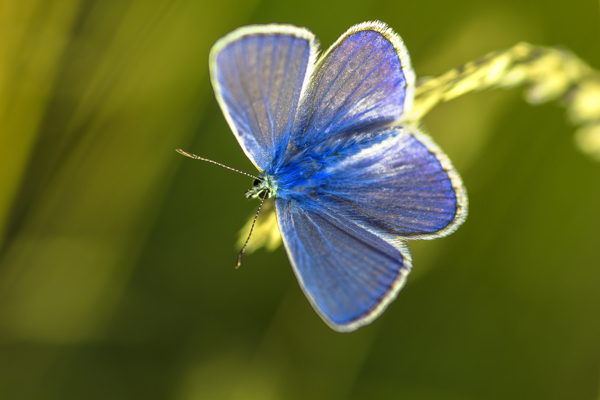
x=117 y=254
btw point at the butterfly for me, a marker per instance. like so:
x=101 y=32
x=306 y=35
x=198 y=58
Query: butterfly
x=351 y=180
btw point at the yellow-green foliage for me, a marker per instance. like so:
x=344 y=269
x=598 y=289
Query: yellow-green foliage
x=117 y=255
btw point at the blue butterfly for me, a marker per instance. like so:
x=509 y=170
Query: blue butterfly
x=351 y=182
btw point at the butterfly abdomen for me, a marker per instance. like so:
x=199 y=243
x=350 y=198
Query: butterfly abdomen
x=309 y=170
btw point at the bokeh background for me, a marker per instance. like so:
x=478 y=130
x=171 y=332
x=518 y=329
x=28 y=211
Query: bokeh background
x=117 y=254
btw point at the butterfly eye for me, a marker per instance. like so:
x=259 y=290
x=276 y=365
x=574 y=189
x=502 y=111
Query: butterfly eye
x=256 y=182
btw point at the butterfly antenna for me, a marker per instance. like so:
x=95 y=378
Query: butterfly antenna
x=195 y=157
x=239 y=260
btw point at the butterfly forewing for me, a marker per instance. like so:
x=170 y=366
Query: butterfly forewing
x=258 y=74
x=348 y=274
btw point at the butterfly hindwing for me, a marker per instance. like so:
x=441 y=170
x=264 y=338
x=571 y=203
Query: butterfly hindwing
x=402 y=185
x=363 y=81
x=258 y=74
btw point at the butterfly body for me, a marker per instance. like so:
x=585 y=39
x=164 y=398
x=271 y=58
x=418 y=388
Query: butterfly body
x=308 y=171
x=351 y=182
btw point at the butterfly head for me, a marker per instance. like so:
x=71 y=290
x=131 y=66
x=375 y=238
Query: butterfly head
x=261 y=185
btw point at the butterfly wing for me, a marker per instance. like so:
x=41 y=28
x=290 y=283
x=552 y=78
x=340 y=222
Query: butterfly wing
x=398 y=183
x=348 y=274
x=363 y=81
x=345 y=239
x=258 y=74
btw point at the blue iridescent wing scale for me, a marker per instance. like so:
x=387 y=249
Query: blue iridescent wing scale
x=258 y=74
x=400 y=183
x=363 y=81
x=346 y=241
x=348 y=274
